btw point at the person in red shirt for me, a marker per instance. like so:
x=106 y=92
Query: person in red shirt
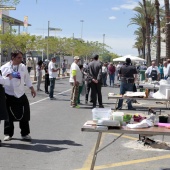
x=111 y=71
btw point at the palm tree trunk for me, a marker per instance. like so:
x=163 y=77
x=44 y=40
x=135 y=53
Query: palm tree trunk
x=144 y=42
x=167 y=15
x=158 y=47
x=147 y=35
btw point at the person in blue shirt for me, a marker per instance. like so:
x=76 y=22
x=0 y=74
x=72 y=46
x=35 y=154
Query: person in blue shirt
x=161 y=71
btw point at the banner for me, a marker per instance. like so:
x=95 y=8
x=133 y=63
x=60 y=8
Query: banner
x=25 y=23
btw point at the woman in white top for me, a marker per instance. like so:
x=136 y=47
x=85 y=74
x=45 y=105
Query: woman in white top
x=104 y=74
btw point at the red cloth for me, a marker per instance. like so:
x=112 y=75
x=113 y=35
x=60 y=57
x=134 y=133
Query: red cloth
x=111 y=69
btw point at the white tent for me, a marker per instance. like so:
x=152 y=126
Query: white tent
x=133 y=58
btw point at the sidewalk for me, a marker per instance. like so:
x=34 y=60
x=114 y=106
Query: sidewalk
x=57 y=78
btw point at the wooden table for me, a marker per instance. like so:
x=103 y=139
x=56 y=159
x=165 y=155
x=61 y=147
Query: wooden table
x=117 y=97
x=90 y=127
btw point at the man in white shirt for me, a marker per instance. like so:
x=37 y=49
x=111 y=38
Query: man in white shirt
x=75 y=79
x=152 y=72
x=52 y=70
x=17 y=103
x=165 y=69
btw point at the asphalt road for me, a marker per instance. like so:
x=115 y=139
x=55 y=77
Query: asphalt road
x=58 y=143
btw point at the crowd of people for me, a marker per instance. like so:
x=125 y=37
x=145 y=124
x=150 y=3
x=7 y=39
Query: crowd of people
x=86 y=79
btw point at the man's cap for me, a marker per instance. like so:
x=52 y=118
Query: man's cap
x=76 y=58
x=95 y=55
x=53 y=57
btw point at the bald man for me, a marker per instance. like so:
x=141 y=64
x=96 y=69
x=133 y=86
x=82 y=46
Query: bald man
x=152 y=72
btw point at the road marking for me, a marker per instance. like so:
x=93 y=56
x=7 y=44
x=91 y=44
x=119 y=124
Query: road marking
x=129 y=162
x=48 y=97
x=87 y=163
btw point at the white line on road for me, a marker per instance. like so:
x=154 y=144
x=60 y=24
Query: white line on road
x=48 y=97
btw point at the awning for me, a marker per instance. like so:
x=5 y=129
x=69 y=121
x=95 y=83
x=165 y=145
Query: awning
x=12 y=21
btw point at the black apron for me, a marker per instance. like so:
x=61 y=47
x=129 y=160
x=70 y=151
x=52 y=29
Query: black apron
x=154 y=75
x=3 y=108
x=18 y=108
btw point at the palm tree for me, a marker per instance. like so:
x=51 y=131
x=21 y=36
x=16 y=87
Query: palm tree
x=158 y=49
x=167 y=14
x=140 y=21
x=147 y=34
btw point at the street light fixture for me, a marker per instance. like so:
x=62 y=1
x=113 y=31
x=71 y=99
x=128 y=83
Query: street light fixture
x=82 y=28
x=50 y=29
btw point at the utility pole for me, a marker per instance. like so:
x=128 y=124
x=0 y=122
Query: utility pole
x=48 y=39
x=82 y=28
x=103 y=42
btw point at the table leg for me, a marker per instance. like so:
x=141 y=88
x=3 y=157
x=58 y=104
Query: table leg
x=95 y=150
x=116 y=104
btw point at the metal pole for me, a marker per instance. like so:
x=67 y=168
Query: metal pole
x=48 y=38
x=82 y=28
x=103 y=42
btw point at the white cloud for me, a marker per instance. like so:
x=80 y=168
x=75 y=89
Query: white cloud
x=115 y=8
x=129 y=5
x=116 y=44
x=112 y=17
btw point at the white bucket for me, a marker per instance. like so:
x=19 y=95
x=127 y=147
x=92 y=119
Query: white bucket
x=101 y=113
x=118 y=116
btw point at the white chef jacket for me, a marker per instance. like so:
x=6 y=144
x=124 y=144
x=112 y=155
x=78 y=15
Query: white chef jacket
x=16 y=87
x=4 y=80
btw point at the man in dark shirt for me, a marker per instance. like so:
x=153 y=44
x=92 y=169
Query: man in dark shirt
x=95 y=74
x=128 y=75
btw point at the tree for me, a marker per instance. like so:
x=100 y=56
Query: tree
x=167 y=15
x=158 y=49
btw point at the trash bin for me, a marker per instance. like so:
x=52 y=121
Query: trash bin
x=142 y=75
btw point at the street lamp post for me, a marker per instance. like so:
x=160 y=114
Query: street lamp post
x=103 y=42
x=82 y=28
x=50 y=29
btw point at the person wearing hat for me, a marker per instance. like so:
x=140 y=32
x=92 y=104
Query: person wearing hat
x=128 y=76
x=95 y=74
x=52 y=70
x=75 y=79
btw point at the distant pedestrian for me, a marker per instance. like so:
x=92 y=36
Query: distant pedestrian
x=47 y=80
x=104 y=74
x=63 y=66
x=161 y=71
x=165 y=69
x=111 y=71
x=39 y=68
x=17 y=103
x=29 y=65
x=52 y=70
x=75 y=79
x=95 y=72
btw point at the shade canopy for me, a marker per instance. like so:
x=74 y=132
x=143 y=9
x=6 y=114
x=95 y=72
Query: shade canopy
x=133 y=58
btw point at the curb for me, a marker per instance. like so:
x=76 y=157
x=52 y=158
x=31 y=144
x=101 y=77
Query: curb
x=57 y=78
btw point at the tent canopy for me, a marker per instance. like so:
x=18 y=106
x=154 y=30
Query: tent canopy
x=133 y=58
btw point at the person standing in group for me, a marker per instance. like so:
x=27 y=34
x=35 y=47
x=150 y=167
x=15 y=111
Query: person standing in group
x=52 y=70
x=111 y=71
x=95 y=73
x=63 y=65
x=104 y=74
x=17 y=103
x=152 y=72
x=47 y=81
x=118 y=69
x=75 y=79
x=128 y=76
x=39 y=68
x=29 y=65
x=3 y=111
x=165 y=69
x=81 y=83
x=161 y=71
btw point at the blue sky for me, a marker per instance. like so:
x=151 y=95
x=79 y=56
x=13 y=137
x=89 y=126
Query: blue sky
x=109 y=17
